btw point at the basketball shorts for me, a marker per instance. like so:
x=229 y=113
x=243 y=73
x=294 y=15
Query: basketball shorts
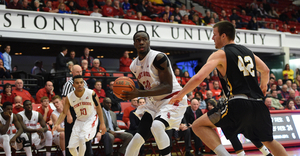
x=249 y=117
x=169 y=112
x=83 y=129
x=56 y=139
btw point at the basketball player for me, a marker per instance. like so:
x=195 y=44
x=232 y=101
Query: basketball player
x=7 y=137
x=158 y=84
x=83 y=101
x=59 y=134
x=237 y=67
x=40 y=136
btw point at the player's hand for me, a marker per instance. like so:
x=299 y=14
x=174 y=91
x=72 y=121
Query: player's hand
x=55 y=127
x=46 y=110
x=130 y=95
x=40 y=130
x=98 y=136
x=50 y=122
x=103 y=128
x=6 y=116
x=175 y=99
x=12 y=141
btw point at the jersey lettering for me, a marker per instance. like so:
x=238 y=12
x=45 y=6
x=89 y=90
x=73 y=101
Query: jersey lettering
x=83 y=111
x=147 y=85
x=248 y=68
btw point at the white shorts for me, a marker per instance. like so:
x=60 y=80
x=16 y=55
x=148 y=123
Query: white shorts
x=37 y=141
x=56 y=139
x=83 y=129
x=169 y=112
x=16 y=146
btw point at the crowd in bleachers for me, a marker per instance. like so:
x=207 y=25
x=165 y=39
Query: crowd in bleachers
x=281 y=15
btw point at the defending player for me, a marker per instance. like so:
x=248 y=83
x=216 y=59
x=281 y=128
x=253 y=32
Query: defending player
x=83 y=101
x=8 y=138
x=237 y=67
x=158 y=83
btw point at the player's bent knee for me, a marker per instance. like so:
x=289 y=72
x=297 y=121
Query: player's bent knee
x=5 y=137
x=62 y=135
x=48 y=135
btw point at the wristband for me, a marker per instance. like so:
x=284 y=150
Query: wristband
x=100 y=131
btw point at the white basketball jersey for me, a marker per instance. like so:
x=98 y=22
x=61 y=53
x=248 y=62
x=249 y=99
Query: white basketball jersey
x=55 y=112
x=32 y=123
x=147 y=74
x=3 y=122
x=83 y=106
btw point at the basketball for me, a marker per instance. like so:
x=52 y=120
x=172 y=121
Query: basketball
x=122 y=84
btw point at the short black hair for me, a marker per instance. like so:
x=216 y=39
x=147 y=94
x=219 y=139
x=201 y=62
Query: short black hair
x=63 y=48
x=141 y=31
x=226 y=27
x=77 y=77
x=5 y=104
x=26 y=102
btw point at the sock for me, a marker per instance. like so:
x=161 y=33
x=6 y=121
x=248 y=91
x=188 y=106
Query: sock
x=134 y=146
x=82 y=146
x=64 y=152
x=264 y=150
x=241 y=153
x=161 y=137
x=73 y=151
x=221 y=151
x=6 y=146
x=28 y=151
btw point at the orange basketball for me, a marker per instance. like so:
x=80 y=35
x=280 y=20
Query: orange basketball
x=122 y=84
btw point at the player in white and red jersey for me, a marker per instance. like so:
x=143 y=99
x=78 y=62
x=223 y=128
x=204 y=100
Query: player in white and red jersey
x=83 y=101
x=8 y=138
x=158 y=83
x=40 y=135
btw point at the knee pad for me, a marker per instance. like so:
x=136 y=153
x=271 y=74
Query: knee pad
x=157 y=125
x=145 y=125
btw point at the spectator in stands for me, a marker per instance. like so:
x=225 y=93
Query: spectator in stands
x=277 y=28
x=129 y=15
x=14 y=5
x=36 y=6
x=197 y=20
x=252 y=25
x=45 y=110
x=183 y=10
x=214 y=76
x=86 y=55
x=289 y=85
x=22 y=92
x=134 y=120
x=285 y=28
x=271 y=26
x=49 y=8
x=292 y=95
x=247 y=8
x=95 y=12
x=192 y=113
x=216 y=90
x=151 y=9
x=72 y=57
x=46 y=91
x=254 y=3
x=297 y=80
x=62 y=9
x=99 y=91
x=6 y=94
x=207 y=17
x=215 y=16
x=262 y=12
x=211 y=22
x=186 y=77
x=70 y=66
x=59 y=134
x=72 y=7
x=189 y=96
x=40 y=137
x=266 y=5
x=139 y=15
x=234 y=16
x=284 y=95
x=61 y=62
x=166 y=11
x=273 y=13
x=172 y=20
x=275 y=103
x=3 y=72
x=203 y=90
x=115 y=102
x=284 y=15
x=141 y=7
x=126 y=6
x=164 y=18
x=97 y=70
x=186 y=20
x=87 y=72
x=279 y=83
x=177 y=15
x=224 y=16
x=7 y=59
x=9 y=139
x=290 y=105
x=178 y=77
x=297 y=104
x=288 y=71
x=108 y=10
x=268 y=103
x=18 y=105
x=209 y=95
x=211 y=104
x=25 y=5
x=125 y=62
x=202 y=102
x=110 y=120
x=118 y=11
x=38 y=68
x=83 y=5
x=133 y=106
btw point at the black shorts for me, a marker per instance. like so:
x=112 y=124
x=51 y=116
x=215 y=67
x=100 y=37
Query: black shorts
x=249 y=117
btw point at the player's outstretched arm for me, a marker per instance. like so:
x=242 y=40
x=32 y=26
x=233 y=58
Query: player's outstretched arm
x=161 y=63
x=62 y=115
x=216 y=59
x=265 y=71
x=54 y=119
x=102 y=127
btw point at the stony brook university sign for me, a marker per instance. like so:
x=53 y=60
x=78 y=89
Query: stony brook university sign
x=77 y=28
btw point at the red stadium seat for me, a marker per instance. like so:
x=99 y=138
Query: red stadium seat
x=36 y=106
x=118 y=74
x=122 y=125
x=124 y=105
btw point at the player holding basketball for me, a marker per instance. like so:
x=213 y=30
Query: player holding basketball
x=245 y=111
x=158 y=83
x=83 y=101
